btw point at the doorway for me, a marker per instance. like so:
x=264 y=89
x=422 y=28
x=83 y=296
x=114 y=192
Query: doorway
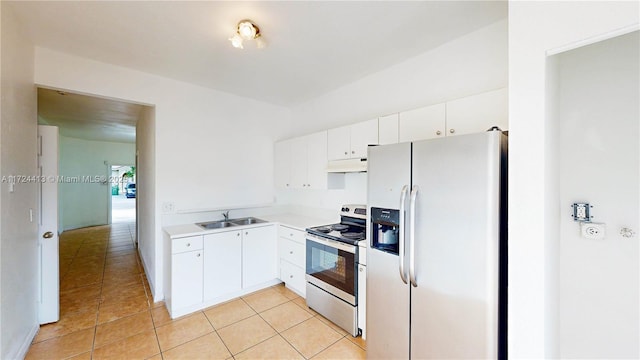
x=122 y=194
x=97 y=135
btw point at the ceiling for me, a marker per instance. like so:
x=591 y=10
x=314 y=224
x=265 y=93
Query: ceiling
x=313 y=47
x=89 y=117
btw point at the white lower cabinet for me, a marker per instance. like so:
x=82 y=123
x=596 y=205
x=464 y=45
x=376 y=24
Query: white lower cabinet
x=204 y=270
x=186 y=274
x=223 y=264
x=293 y=277
x=259 y=255
x=291 y=245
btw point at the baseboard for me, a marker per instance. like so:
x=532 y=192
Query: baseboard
x=156 y=297
x=21 y=351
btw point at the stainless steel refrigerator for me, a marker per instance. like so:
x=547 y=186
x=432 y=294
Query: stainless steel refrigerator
x=436 y=255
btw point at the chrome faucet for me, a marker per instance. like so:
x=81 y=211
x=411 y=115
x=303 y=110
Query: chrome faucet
x=225 y=214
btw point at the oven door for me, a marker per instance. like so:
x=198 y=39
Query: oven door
x=331 y=266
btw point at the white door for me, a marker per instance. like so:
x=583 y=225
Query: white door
x=299 y=163
x=49 y=307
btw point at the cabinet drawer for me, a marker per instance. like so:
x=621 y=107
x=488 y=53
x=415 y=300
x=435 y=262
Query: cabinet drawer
x=292 y=252
x=186 y=244
x=291 y=234
x=293 y=276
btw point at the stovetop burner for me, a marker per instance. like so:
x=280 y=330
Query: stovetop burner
x=340 y=227
x=354 y=235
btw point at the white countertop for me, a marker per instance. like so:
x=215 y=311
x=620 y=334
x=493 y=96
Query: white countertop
x=287 y=219
x=297 y=221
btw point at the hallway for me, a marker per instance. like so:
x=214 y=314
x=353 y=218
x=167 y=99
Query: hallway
x=107 y=311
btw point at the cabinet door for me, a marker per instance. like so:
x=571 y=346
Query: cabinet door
x=186 y=279
x=259 y=255
x=388 y=129
x=282 y=164
x=339 y=143
x=293 y=276
x=423 y=123
x=222 y=264
x=299 y=163
x=363 y=134
x=317 y=160
x=478 y=113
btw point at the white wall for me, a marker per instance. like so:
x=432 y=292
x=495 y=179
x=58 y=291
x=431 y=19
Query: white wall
x=599 y=114
x=471 y=64
x=536 y=28
x=212 y=149
x=145 y=192
x=86 y=203
x=442 y=74
x=19 y=283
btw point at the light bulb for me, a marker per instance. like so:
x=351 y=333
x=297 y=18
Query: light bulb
x=246 y=30
x=236 y=41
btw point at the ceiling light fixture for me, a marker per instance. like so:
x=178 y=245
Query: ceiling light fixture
x=246 y=30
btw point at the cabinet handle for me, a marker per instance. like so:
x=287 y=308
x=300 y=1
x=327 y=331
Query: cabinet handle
x=361 y=269
x=290 y=276
x=287 y=185
x=452 y=131
x=291 y=235
x=188 y=244
x=353 y=152
x=198 y=255
x=346 y=153
x=291 y=252
x=438 y=132
x=246 y=233
x=238 y=234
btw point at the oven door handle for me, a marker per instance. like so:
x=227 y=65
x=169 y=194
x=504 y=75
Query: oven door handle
x=401 y=225
x=412 y=235
x=331 y=243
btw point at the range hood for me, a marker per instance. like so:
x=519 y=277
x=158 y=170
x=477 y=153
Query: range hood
x=347 y=166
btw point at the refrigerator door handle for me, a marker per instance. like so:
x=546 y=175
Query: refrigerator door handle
x=412 y=235
x=401 y=247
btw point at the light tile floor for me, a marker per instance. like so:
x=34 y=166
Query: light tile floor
x=106 y=311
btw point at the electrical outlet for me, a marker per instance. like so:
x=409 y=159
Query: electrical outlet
x=168 y=208
x=595 y=231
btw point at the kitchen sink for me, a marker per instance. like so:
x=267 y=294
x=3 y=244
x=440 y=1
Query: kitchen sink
x=247 y=221
x=229 y=223
x=216 y=224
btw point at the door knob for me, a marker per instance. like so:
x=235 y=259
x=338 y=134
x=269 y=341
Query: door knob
x=47 y=235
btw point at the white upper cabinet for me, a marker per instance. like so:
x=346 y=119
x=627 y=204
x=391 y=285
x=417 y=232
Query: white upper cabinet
x=363 y=134
x=282 y=164
x=317 y=160
x=299 y=162
x=478 y=113
x=351 y=142
x=388 y=129
x=422 y=123
x=339 y=143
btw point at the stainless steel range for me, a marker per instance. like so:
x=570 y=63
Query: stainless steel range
x=332 y=267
